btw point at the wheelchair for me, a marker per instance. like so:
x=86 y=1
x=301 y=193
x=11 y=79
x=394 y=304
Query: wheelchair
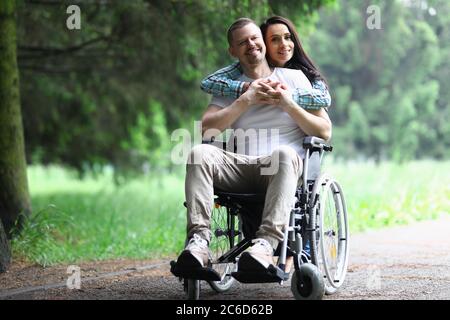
x=316 y=236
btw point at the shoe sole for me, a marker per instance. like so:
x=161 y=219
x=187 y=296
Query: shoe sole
x=248 y=263
x=188 y=261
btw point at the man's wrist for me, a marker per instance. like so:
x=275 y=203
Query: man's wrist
x=243 y=101
x=289 y=106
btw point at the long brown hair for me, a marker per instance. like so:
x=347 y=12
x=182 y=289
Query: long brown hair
x=300 y=59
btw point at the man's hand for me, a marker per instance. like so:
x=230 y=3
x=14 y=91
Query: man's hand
x=258 y=93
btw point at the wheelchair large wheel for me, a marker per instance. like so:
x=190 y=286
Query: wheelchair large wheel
x=307 y=283
x=224 y=234
x=330 y=238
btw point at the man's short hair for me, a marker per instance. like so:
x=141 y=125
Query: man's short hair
x=239 y=23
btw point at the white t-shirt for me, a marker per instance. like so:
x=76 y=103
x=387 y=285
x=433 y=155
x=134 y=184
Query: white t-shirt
x=264 y=127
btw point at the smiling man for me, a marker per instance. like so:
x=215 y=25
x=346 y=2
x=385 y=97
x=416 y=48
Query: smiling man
x=267 y=104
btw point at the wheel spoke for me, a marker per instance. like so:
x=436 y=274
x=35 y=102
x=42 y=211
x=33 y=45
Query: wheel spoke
x=219 y=245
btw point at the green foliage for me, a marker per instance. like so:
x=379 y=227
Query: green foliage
x=86 y=93
x=386 y=83
x=148 y=141
x=40 y=239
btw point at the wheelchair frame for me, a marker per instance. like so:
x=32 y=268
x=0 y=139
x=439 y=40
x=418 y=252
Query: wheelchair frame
x=311 y=277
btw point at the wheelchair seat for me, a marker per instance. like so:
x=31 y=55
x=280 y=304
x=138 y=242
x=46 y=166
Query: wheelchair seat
x=244 y=198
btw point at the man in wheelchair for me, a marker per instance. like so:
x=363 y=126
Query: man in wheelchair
x=268 y=165
x=267 y=104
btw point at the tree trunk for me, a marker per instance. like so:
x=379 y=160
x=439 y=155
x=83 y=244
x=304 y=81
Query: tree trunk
x=5 y=251
x=14 y=196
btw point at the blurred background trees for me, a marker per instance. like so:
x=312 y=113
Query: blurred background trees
x=112 y=92
x=390 y=93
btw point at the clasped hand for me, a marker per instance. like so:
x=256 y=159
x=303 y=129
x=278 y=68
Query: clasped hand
x=266 y=91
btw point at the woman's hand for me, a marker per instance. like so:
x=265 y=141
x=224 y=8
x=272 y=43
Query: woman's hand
x=278 y=92
x=312 y=122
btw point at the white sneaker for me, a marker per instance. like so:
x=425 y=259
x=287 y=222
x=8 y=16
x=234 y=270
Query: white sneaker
x=257 y=256
x=196 y=254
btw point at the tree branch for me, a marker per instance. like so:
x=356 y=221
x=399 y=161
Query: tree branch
x=45 y=2
x=64 y=2
x=45 y=52
x=59 y=69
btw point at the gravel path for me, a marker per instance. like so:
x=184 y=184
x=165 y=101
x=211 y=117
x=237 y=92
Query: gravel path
x=407 y=262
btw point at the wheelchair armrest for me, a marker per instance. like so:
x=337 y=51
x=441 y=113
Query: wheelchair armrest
x=316 y=144
x=209 y=141
x=219 y=143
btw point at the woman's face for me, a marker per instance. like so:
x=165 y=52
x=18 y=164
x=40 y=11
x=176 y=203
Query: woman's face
x=280 y=46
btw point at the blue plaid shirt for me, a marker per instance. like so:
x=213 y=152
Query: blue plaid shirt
x=223 y=83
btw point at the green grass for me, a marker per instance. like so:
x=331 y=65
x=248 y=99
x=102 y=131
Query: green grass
x=92 y=219
x=392 y=194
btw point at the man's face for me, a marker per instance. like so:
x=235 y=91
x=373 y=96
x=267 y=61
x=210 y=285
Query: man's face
x=248 y=45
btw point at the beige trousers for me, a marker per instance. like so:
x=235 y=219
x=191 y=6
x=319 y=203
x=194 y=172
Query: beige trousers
x=276 y=175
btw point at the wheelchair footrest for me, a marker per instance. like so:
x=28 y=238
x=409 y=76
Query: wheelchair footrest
x=207 y=274
x=272 y=274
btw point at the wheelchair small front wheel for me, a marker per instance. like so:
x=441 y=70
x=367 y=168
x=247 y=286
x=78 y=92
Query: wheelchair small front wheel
x=307 y=283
